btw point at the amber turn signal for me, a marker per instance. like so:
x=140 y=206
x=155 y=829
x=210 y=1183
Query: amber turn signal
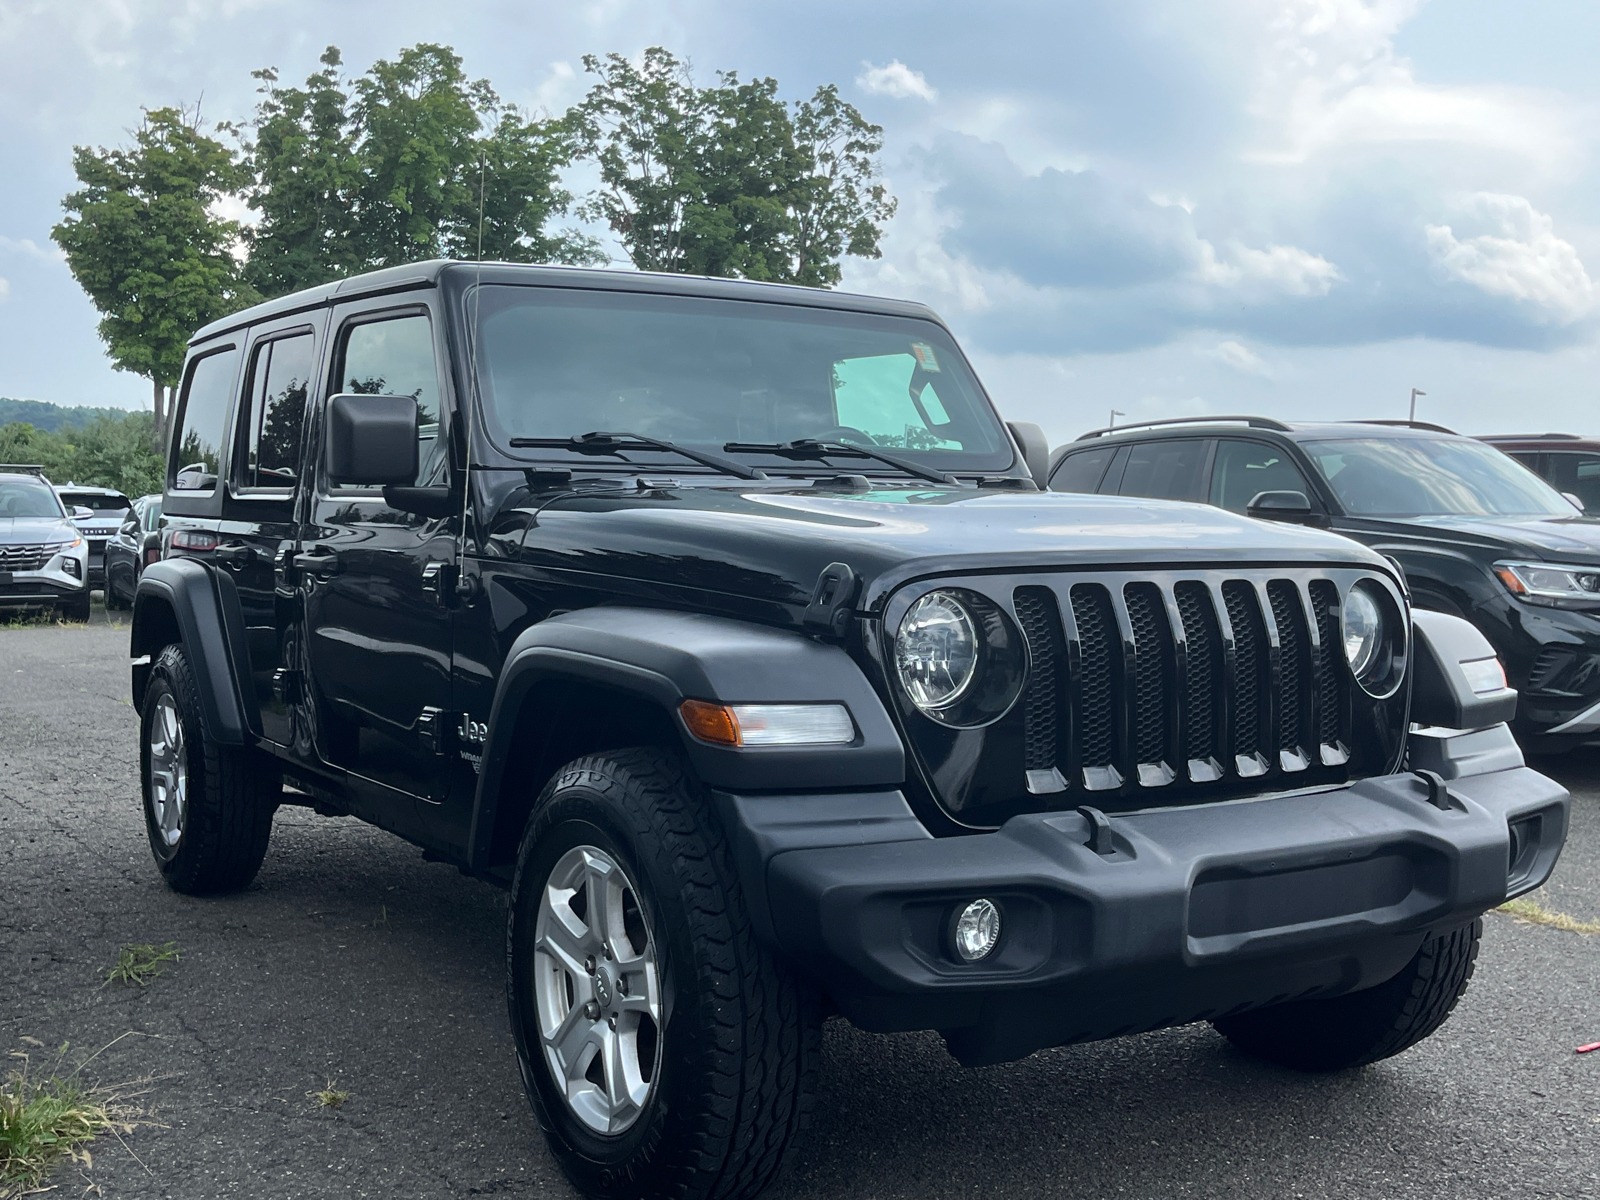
x=713 y=723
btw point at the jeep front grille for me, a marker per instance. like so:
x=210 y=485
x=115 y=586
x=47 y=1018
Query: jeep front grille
x=1252 y=679
x=1160 y=687
x=24 y=557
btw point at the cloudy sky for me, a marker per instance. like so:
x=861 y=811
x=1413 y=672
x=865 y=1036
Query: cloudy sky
x=1302 y=208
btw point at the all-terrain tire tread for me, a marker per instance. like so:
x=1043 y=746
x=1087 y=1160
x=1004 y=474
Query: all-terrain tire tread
x=229 y=818
x=763 y=1062
x=1366 y=1026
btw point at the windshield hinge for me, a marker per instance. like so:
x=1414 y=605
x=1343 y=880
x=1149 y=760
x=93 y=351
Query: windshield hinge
x=831 y=599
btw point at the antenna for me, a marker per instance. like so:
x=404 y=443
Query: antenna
x=463 y=587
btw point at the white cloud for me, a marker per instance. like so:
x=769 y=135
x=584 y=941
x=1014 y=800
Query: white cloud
x=1328 y=78
x=5 y=290
x=49 y=252
x=1521 y=258
x=1281 y=270
x=1241 y=358
x=897 y=80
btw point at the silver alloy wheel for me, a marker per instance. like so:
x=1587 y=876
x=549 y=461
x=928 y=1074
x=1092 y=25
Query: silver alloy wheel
x=169 y=770
x=597 y=990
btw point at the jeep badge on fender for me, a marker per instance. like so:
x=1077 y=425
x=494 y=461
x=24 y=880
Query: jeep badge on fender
x=802 y=698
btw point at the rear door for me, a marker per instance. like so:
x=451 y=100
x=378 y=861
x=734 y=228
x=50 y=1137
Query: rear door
x=259 y=527
x=376 y=583
x=1164 y=469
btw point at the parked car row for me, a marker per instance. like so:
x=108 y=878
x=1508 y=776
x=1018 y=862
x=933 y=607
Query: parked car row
x=1499 y=538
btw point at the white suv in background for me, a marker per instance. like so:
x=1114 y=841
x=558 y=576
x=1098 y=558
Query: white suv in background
x=98 y=513
x=44 y=558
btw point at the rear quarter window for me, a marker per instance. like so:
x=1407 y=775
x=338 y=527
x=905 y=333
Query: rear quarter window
x=1081 y=471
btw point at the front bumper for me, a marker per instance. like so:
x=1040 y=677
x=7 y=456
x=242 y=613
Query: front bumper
x=48 y=586
x=1193 y=913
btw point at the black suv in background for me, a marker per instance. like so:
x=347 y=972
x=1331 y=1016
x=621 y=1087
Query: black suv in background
x=724 y=625
x=1567 y=462
x=1478 y=535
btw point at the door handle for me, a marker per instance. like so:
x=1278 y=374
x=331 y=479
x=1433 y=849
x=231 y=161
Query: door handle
x=236 y=555
x=317 y=562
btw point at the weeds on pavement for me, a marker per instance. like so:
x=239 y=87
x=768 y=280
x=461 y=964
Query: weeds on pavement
x=329 y=1097
x=47 y=1116
x=138 y=965
x=1531 y=912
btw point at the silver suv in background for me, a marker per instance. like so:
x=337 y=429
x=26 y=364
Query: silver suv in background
x=98 y=513
x=44 y=559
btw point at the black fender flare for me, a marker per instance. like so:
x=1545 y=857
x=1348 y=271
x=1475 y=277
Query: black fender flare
x=207 y=620
x=668 y=657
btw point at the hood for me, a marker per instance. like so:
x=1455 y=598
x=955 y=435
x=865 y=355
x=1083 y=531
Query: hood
x=1547 y=539
x=771 y=543
x=33 y=530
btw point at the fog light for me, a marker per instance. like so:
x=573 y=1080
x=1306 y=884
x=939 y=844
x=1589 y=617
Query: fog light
x=977 y=930
x=70 y=566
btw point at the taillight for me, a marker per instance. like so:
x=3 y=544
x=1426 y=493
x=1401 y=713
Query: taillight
x=193 y=539
x=152 y=554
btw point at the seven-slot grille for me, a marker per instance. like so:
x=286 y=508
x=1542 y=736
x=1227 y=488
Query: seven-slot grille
x=24 y=557
x=1197 y=681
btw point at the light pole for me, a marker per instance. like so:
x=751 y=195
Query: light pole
x=1115 y=413
x=1415 y=392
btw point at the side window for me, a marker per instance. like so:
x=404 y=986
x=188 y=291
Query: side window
x=394 y=357
x=280 y=374
x=1081 y=472
x=1169 y=470
x=891 y=399
x=203 y=421
x=1578 y=474
x=1244 y=469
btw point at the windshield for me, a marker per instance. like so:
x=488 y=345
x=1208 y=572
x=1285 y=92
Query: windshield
x=100 y=502
x=27 y=498
x=706 y=373
x=1425 y=477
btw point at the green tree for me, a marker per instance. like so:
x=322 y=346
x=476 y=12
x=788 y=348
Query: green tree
x=142 y=238
x=390 y=167
x=108 y=451
x=729 y=180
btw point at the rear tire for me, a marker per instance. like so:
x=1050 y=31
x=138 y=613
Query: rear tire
x=207 y=807
x=1365 y=1026
x=714 y=1101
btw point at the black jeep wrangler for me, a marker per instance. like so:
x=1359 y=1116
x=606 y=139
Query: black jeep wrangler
x=724 y=625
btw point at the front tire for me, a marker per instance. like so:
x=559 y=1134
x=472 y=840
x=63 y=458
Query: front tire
x=77 y=609
x=1365 y=1026
x=665 y=1053
x=207 y=807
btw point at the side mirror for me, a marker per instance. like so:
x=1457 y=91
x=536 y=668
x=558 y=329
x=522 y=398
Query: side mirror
x=1458 y=681
x=372 y=440
x=1035 y=449
x=81 y=513
x=131 y=525
x=1279 y=506
x=1575 y=501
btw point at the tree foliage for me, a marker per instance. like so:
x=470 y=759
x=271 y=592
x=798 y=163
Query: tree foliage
x=142 y=241
x=390 y=167
x=142 y=237
x=108 y=451
x=729 y=179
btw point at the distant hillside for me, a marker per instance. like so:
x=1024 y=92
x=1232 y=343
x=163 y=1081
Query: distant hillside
x=52 y=417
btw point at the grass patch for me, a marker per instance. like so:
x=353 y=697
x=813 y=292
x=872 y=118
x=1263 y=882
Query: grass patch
x=1531 y=912
x=46 y=1117
x=329 y=1097
x=138 y=965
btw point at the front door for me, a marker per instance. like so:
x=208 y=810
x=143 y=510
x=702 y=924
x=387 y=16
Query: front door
x=375 y=586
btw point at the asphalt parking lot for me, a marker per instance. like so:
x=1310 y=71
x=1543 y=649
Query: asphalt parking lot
x=351 y=960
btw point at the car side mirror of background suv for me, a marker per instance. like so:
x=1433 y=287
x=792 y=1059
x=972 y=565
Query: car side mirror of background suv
x=1292 y=507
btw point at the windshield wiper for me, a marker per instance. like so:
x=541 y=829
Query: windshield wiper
x=616 y=442
x=811 y=448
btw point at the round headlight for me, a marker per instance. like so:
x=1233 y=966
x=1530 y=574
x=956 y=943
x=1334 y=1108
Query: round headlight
x=936 y=651
x=1363 y=630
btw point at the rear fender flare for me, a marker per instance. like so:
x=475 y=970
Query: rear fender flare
x=665 y=658
x=184 y=600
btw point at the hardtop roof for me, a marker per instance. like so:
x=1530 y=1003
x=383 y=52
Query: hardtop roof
x=430 y=273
